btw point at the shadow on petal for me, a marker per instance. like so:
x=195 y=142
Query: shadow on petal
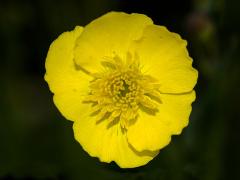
x=144 y=152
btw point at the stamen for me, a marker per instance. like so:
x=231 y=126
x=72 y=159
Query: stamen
x=121 y=90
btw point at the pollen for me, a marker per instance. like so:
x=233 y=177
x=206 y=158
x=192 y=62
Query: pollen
x=121 y=91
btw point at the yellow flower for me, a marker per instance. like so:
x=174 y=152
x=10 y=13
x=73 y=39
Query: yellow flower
x=126 y=83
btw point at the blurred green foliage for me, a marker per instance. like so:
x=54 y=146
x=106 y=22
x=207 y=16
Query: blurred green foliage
x=37 y=142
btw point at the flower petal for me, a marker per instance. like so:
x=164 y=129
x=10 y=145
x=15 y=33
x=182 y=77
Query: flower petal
x=163 y=54
x=68 y=83
x=153 y=132
x=110 y=34
x=108 y=142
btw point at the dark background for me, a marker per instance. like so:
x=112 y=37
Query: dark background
x=36 y=142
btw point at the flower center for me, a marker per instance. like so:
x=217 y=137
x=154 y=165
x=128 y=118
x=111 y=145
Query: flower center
x=123 y=89
x=118 y=93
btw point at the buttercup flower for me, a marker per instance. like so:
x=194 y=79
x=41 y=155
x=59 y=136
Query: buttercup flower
x=126 y=84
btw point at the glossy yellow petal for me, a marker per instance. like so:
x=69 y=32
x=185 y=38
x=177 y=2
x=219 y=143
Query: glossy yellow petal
x=108 y=142
x=163 y=54
x=153 y=132
x=127 y=85
x=65 y=80
x=109 y=34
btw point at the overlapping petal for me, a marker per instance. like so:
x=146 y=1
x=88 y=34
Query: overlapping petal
x=108 y=142
x=153 y=132
x=163 y=54
x=66 y=81
x=109 y=34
